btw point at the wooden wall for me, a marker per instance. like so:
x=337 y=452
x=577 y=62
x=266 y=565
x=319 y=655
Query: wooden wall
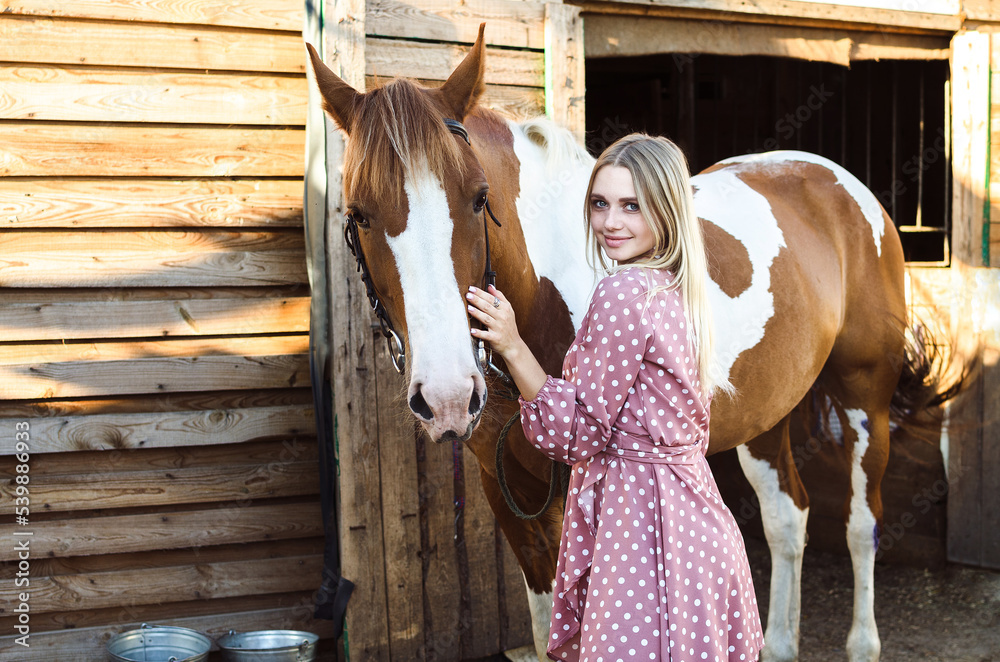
x=432 y=580
x=974 y=452
x=154 y=319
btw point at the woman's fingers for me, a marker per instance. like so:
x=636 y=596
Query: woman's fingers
x=490 y=308
x=487 y=302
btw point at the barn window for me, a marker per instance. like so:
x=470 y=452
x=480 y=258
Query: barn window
x=885 y=121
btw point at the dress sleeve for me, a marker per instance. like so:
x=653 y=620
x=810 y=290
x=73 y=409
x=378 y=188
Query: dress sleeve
x=571 y=418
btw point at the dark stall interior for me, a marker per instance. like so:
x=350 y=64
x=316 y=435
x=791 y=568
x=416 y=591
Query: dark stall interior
x=886 y=122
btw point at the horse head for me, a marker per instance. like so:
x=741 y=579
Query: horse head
x=416 y=192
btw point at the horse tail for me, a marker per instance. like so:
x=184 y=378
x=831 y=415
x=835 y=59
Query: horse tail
x=931 y=375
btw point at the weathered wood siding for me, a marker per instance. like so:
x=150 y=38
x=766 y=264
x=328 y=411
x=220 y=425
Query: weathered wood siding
x=974 y=443
x=429 y=584
x=154 y=319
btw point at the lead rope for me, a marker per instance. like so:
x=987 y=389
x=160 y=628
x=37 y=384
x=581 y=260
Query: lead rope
x=555 y=477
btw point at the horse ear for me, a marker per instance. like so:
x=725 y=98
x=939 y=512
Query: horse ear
x=465 y=85
x=339 y=99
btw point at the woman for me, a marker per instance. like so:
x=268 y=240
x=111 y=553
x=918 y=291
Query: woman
x=652 y=564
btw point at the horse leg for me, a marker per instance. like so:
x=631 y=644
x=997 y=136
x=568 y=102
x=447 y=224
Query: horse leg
x=535 y=544
x=768 y=464
x=866 y=435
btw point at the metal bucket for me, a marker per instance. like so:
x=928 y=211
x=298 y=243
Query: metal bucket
x=159 y=643
x=269 y=646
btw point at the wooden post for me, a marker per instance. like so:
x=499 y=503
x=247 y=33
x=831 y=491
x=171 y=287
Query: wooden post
x=970 y=60
x=973 y=508
x=355 y=409
x=565 y=71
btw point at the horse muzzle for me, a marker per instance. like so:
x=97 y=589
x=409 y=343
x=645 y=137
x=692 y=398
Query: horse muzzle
x=448 y=409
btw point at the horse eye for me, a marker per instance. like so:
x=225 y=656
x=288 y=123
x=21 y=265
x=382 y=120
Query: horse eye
x=480 y=202
x=358 y=219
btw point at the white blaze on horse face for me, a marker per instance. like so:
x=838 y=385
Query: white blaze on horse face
x=724 y=199
x=863 y=643
x=867 y=202
x=442 y=365
x=550 y=208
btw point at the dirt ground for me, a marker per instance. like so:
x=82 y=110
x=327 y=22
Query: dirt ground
x=947 y=615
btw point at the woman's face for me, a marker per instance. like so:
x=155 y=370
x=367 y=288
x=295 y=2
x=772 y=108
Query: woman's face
x=615 y=217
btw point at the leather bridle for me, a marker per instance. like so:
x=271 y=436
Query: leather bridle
x=483 y=352
x=397 y=352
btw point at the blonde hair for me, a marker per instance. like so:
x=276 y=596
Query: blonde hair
x=663 y=187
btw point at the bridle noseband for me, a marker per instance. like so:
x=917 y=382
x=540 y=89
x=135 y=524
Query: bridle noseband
x=483 y=352
x=396 y=350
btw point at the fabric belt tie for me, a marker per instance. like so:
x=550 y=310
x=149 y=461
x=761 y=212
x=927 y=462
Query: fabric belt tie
x=586 y=474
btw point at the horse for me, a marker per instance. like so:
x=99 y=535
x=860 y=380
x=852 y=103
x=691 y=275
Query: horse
x=807 y=289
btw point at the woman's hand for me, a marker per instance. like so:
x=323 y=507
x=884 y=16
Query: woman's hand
x=493 y=311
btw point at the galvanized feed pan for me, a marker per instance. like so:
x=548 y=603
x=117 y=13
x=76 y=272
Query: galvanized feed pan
x=269 y=646
x=159 y=643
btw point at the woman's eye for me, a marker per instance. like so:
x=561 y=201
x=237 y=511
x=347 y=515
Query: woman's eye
x=632 y=206
x=598 y=204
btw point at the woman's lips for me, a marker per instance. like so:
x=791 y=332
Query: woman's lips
x=615 y=242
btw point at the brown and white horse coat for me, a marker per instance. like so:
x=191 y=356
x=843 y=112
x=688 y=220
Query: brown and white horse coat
x=807 y=293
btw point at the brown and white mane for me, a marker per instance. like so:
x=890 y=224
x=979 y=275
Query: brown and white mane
x=807 y=274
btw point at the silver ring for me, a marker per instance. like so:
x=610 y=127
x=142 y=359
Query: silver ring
x=496 y=302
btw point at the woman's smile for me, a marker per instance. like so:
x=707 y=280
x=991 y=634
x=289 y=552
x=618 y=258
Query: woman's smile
x=615 y=217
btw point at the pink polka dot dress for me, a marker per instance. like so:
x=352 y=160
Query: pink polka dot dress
x=652 y=564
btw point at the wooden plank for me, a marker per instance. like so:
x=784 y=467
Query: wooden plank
x=260 y=454
x=515 y=616
x=352 y=376
x=89 y=643
x=161 y=403
x=511 y=23
x=149 y=203
x=481 y=636
x=233 y=523
x=172 y=486
x=784 y=12
x=994 y=233
x=155 y=613
x=442 y=588
x=965 y=434
x=400 y=515
x=113 y=561
x=150 y=259
x=69 y=315
x=96 y=369
x=515 y=102
x=990 y=460
x=981 y=10
x=260 y=14
x=565 y=71
x=389 y=57
x=36 y=149
x=887 y=46
x=38 y=40
x=649 y=36
x=167 y=429
x=91 y=94
x=191 y=582
x=970 y=108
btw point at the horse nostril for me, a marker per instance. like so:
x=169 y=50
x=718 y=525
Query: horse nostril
x=474 y=403
x=419 y=406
